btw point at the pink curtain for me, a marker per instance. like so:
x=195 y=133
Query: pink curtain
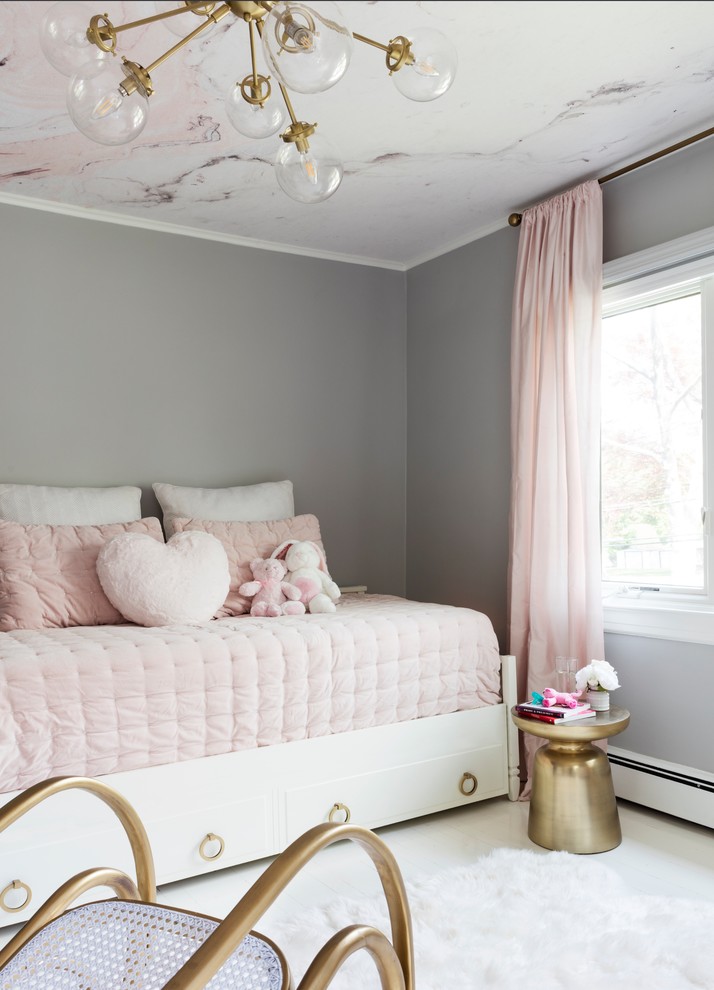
x=555 y=604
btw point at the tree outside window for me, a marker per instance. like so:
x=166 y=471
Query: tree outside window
x=652 y=445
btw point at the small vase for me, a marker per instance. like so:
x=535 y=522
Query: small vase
x=599 y=701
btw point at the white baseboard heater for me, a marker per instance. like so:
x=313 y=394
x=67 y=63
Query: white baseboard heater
x=668 y=787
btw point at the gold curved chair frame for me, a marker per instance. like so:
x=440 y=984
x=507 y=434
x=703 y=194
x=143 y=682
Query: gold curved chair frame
x=393 y=959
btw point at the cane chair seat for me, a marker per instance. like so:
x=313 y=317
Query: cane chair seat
x=116 y=945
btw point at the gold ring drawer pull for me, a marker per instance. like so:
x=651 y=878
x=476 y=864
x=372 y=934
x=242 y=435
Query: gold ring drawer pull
x=338 y=808
x=468 y=784
x=15 y=885
x=206 y=841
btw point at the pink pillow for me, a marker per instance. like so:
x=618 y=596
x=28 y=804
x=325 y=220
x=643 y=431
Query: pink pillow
x=244 y=541
x=48 y=574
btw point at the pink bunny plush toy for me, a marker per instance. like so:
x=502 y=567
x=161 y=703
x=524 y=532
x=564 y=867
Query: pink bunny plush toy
x=271 y=593
x=307 y=569
x=551 y=697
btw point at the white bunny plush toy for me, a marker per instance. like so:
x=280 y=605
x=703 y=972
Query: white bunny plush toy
x=307 y=569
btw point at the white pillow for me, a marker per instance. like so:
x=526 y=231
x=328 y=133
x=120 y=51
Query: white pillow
x=247 y=503
x=44 y=505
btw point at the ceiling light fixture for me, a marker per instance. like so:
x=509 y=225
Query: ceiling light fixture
x=307 y=46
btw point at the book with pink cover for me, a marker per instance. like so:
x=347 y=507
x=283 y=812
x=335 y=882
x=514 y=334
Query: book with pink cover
x=555 y=713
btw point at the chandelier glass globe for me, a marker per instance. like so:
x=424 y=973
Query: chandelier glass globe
x=310 y=176
x=253 y=120
x=308 y=48
x=433 y=68
x=100 y=108
x=63 y=37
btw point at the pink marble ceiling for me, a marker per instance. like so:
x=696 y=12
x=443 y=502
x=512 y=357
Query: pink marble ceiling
x=547 y=94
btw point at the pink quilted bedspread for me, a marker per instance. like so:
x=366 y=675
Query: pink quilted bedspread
x=91 y=701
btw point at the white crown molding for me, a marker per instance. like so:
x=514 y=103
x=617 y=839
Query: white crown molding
x=85 y=213
x=106 y=216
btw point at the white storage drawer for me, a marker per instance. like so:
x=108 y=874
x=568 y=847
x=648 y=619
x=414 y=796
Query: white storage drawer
x=43 y=869
x=244 y=831
x=399 y=792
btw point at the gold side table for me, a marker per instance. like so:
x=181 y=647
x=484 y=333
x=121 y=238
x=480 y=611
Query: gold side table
x=573 y=805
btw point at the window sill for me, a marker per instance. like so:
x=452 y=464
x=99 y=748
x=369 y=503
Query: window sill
x=683 y=623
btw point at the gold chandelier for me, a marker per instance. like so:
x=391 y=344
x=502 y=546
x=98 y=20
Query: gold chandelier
x=306 y=46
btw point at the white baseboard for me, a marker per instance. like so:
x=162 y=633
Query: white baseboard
x=684 y=792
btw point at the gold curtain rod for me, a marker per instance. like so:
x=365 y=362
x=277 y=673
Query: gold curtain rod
x=514 y=219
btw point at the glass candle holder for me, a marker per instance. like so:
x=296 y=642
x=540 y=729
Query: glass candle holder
x=565 y=669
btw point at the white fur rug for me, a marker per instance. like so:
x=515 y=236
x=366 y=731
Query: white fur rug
x=517 y=919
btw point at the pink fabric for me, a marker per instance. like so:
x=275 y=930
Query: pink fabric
x=554 y=588
x=48 y=574
x=244 y=541
x=95 y=701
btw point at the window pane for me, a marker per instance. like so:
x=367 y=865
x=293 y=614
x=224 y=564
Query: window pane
x=652 y=446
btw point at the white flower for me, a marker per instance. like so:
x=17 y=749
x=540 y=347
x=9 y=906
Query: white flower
x=599 y=674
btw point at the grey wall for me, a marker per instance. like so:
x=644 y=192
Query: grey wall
x=655 y=204
x=458 y=446
x=652 y=672
x=659 y=202
x=130 y=356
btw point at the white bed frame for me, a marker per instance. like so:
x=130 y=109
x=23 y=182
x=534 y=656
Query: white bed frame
x=207 y=814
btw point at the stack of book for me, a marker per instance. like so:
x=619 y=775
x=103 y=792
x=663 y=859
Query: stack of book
x=555 y=714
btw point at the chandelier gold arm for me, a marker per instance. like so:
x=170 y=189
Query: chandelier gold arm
x=298 y=131
x=198 y=7
x=212 y=18
x=138 y=77
x=255 y=88
x=399 y=54
x=135 y=77
x=398 y=51
x=251 y=38
x=248 y=11
x=102 y=33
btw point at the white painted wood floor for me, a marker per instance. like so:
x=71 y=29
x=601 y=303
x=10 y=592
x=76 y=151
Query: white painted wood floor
x=658 y=855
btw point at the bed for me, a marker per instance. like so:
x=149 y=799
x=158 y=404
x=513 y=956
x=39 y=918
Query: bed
x=233 y=736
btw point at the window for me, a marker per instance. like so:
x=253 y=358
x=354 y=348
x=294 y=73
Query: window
x=652 y=443
x=657 y=445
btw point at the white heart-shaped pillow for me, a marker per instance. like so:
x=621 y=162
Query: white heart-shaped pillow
x=162 y=584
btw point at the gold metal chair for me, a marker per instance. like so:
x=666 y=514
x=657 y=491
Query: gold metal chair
x=129 y=941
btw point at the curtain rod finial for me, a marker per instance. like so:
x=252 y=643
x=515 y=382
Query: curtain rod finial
x=514 y=219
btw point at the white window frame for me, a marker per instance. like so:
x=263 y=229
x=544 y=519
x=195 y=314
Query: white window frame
x=662 y=615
